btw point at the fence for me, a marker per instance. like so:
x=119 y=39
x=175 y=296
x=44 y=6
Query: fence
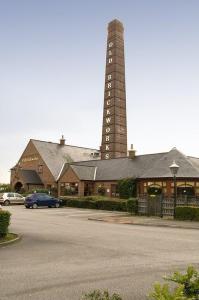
x=163 y=206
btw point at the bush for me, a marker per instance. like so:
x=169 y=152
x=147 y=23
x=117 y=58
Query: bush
x=109 y=205
x=187 y=287
x=4 y=222
x=45 y=191
x=101 y=190
x=94 y=203
x=98 y=295
x=5 y=187
x=163 y=292
x=127 y=188
x=132 y=206
x=187 y=213
x=78 y=203
x=189 y=281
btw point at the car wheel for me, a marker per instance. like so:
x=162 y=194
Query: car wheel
x=49 y=206
x=27 y=206
x=57 y=205
x=6 y=202
x=35 y=205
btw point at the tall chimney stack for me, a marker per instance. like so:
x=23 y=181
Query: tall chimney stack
x=114 y=131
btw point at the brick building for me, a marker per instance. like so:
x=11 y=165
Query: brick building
x=41 y=163
x=151 y=172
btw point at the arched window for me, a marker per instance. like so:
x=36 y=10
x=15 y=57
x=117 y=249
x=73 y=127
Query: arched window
x=154 y=189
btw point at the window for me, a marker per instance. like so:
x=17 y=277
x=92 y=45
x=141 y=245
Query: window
x=10 y=195
x=40 y=169
x=69 y=188
x=114 y=190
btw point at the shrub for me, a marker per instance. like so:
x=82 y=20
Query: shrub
x=101 y=190
x=98 y=295
x=45 y=191
x=108 y=205
x=5 y=187
x=189 y=282
x=127 y=188
x=187 y=287
x=162 y=292
x=54 y=191
x=187 y=213
x=132 y=206
x=4 y=222
x=94 y=203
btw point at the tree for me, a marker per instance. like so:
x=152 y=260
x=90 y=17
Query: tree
x=127 y=188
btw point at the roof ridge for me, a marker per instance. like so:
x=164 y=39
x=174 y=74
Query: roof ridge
x=187 y=159
x=125 y=157
x=152 y=153
x=49 y=142
x=72 y=164
x=190 y=162
x=160 y=159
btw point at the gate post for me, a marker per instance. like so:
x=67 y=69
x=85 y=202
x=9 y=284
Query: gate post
x=161 y=206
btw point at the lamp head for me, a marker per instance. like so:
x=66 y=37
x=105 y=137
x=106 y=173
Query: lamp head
x=174 y=168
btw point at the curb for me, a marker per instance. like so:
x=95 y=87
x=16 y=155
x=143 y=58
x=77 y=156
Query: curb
x=145 y=224
x=18 y=238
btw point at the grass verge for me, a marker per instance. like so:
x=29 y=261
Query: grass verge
x=9 y=237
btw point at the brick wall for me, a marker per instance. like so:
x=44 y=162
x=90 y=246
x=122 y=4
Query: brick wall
x=25 y=162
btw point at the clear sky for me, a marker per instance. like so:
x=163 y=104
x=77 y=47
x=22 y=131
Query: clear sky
x=52 y=64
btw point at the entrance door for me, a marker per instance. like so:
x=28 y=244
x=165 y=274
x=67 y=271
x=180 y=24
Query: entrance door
x=88 y=188
x=18 y=186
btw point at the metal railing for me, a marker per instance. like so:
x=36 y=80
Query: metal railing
x=163 y=206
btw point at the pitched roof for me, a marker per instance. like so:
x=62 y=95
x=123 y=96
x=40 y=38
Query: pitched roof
x=142 y=166
x=55 y=155
x=84 y=172
x=187 y=167
x=30 y=176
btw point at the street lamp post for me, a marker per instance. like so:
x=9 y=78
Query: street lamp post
x=174 y=170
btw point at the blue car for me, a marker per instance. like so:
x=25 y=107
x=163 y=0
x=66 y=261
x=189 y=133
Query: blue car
x=39 y=199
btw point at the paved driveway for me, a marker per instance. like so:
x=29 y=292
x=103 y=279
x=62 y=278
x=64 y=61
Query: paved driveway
x=63 y=254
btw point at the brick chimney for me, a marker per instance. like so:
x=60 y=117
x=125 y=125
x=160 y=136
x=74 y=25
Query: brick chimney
x=62 y=141
x=131 y=152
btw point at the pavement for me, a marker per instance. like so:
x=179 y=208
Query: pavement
x=147 y=221
x=63 y=254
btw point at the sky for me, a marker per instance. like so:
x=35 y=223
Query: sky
x=52 y=67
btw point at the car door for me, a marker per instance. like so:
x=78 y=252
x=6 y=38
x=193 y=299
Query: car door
x=48 y=200
x=11 y=198
x=18 y=198
x=40 y=199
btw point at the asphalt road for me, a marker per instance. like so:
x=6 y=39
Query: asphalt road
x=63 y=254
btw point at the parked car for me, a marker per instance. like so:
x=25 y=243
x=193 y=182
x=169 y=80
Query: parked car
x=11 y=198
x=41 y=199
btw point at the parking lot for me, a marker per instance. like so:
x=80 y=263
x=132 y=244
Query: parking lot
x=63 y=254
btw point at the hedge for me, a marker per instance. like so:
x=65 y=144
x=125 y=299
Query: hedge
x=4 y=222
x=187 y=213
x=132 y=206
x=103 y=204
